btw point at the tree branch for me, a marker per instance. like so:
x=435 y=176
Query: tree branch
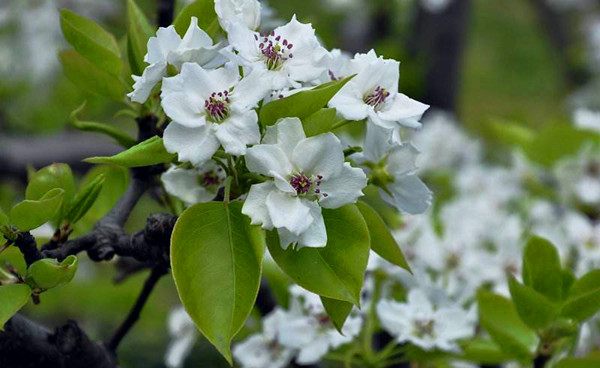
x=155 y=275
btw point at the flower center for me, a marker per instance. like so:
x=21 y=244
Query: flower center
x=217 y=106
x=377 y=97
x=305 y=185
x=275 y=50
x=423 y=328
x=210 y=179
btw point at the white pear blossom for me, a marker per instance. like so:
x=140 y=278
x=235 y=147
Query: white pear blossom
x=168 y=48
x=308 y=173
x=393 y=169
x=421 y=323
x=289 y=55
x=194 y=185
x=263 y=350
x=210 y=108
x=579 y=176
x=373 y=94
x=587 y=119
x=308 y=330
x=184 y=334
x=244 y=12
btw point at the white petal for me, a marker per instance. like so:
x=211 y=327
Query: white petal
x=242 y=39
x=343 y=188
x=288 y=212
x=410 y=194
x=233 y=11
x=255 y=205
x=208 y=57
x=404 y=110
x=159 y=47
x=349 y=102
x=402 y=160
x=286 y=133
x=195 y=37
x=181 y=110
x=195 y=145
x=250 y=90
x=316 y=234
x=150 y=77
x=319 y=155
x=378 y=141
x=297 y=332
x=238 y=131
x=313 y=352
x=264 y=158
x=183 y=184
x=179 y=349
x=282 y=183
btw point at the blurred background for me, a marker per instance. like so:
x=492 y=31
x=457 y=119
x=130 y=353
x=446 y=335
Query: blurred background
x=526 y=62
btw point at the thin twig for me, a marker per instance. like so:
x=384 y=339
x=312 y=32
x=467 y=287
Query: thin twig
x=134 y=313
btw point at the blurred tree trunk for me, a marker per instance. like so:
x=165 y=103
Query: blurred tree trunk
x=439 y=39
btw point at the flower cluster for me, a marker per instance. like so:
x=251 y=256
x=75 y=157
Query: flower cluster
x=212 y=91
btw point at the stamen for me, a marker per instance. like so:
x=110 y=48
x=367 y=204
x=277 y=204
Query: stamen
x=275 y=50
x=217 y=106
x=377 y=98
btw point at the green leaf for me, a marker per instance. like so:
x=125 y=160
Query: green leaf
x=4 y=220
x=534 y=308
x=587 y=362
x=541 y=268
x=91 y=126
x=382 y=241
x=483 y=352
x=139 y=31
x=583 y=300
x=335 y=271
x=499 y=318
x=322 y=121
x=216 y=257
x=301 y=104
x=149 y=152
x=89 y=78
x=279 y=282
x=337 y=311
x=204 y=10
x=12 y=298
x=52 y=176
x=28 y=214
x=92 y=42
x=5 y=229
x=49 y=273
x=85 y=199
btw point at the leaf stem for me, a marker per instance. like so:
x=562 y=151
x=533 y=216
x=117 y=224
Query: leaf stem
x=227 y=190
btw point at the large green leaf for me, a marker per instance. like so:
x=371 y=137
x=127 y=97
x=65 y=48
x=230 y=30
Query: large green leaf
x=592 y=361
x=138 y=33
x=533 y=308
x=92 y=42
x=337 y=310
x=583 y=300
x=90 y=78
x=12 y=298
x=85 y=199
x=301 y=104
x=204 y=10
x=29 y=214
x=500 y=319
x=335 y=271
x=382 y=241
x=53 y=176
x=216 y=257
x=149 y=152
x=49 y=273
x=541 y=268
x=483 y=352
x=322 y=121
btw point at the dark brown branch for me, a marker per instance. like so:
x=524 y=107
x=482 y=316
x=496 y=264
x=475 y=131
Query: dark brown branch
x=155 y=275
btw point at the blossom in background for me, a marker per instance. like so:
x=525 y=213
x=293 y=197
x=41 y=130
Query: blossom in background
x=168 y=48
x=373 y=94
x=210 y=108
x=308 y=173
x=289 y=55
x=435 y=6
x=244 y=12
x=183 y=333
x=263 y=350
x=421 y=323
x=307 y=329
x=194 y=185
x=392 y=169
x=587 y=119
x=579 y=176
